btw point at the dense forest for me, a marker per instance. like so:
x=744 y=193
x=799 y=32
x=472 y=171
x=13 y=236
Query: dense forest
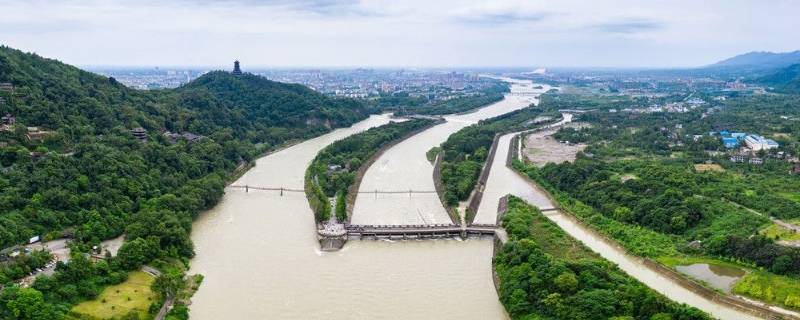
x=465 y=151
x=546 y=274
x=70 y=165
x=786 y=80
x=405 y=104
x=334 y=169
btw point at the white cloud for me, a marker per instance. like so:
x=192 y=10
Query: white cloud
x=397 y=33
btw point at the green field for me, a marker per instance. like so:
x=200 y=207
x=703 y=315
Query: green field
x=133 y=295
x=771 y=288
x=774 y=231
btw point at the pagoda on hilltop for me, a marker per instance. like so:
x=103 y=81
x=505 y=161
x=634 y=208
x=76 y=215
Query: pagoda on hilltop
x=236 y=70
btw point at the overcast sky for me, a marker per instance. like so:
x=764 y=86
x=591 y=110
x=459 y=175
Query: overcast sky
x=424 y=33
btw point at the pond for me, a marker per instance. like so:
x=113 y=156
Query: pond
x=718 y=276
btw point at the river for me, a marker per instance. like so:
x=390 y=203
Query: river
x=261 y=259
x=405 y=167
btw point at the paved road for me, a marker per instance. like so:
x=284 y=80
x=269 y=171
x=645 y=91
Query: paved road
x=165 y=308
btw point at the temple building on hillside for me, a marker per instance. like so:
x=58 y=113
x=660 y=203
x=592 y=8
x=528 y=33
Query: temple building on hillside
x=9 y=120
x=236 y=70
x=140 y=134
x=7 y=87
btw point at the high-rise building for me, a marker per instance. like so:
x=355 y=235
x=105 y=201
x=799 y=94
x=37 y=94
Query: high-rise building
x=236 y=70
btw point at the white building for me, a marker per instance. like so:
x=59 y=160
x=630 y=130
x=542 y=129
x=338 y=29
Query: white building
x=757 y=142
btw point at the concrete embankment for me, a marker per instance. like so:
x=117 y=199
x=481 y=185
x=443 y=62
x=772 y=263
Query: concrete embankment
x=336 y=242
x=405 y=167
x=352 y=191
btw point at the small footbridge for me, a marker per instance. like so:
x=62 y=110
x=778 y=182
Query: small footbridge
x=524 y=94
x=376 y=192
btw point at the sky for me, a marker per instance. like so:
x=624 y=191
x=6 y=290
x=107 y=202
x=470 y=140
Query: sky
x=398 y=33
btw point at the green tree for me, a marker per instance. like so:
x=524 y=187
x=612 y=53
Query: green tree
x=29 y=304
x=566 y=282
x=169 y=283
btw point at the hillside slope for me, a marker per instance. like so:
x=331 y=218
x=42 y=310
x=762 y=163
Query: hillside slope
x=760 y=60
x=786 y=80
x=84 y=143
x=255 y=107
x=82 y=172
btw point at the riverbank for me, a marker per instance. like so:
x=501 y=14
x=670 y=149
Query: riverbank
x=259 y=257
x=655 y=275
x=405 y=167
x=563 y=267
x=362 y=170
x=476 y=197
x=333 y=169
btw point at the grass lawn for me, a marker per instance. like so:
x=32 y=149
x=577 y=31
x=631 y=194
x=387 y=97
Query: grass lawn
x=774 y=231
x=556 y=242
x=759 y=285
x=701 y=167
x=116 y=301
x=775 y=289
x=791 y=196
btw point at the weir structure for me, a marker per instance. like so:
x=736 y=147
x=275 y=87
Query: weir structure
x=423 y=231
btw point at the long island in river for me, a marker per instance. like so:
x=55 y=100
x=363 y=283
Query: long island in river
x=261 y=259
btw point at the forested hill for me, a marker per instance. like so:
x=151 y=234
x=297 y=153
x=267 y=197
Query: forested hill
x=258 y=108
x=54 y=95
x=784 y=80
x=71 y=164
x=82 y=155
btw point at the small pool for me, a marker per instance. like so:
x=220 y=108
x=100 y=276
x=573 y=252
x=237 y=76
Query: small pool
x=717 y=276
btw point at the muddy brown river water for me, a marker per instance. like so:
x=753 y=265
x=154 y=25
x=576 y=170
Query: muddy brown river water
x=261 y=259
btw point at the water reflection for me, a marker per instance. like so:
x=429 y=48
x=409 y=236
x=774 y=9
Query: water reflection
x=717 y=276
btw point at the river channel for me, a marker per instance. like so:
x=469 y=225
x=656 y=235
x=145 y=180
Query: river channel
x=405 y=167
x=261 y=259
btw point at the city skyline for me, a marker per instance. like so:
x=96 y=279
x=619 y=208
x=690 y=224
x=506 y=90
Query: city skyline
x=342 y=34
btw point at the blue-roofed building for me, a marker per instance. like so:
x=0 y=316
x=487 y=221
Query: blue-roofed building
x=730 y=142
x=724 y=133
x=738 y=135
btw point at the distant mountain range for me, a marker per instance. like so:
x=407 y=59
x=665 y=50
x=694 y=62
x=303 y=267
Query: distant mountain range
x=777 y=70
x=760 y=60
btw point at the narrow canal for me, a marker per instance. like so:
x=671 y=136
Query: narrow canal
x=503 y=180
